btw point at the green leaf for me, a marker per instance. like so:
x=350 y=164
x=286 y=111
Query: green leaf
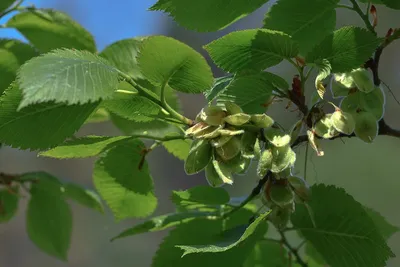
x=307 y=21
x=70 y=76
x=254 y=232
x=386 y=229
x=5 y=4
x=178 y=148
x=219 y=86
x=203 y=231
x=99 y=115
x=39 y=126
x=13 y=54
x=346 y=49
x=200 y=154
x=49 y=218
x=251 y=49
x=175 y=64
x=162 y=222
x=156 y=128
x=343 y=233
x=395 y=4
x=132 y=107
x=48 y=29
x=251 y=92
x=267 y=254
x=324 y=71
x=83 y=196
x=124 y=183
x=313 y=254
x=8 y=203
x=84 y=147
x=207 y=15
x=204 y=195
x=122 y=55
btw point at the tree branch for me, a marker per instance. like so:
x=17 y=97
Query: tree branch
x=254 y=193
x=293 y=250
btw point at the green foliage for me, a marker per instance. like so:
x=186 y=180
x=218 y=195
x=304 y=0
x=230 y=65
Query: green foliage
x=49 y=218
x=57 y=82
x=307 y=21
x=13 y=54
x=251 y=49
x=386 y=229
x=207 y=15
x=200 y=195
x=33 y=126
x=123 y=182
x=251 y=92
x=346 y=229
x=175 y=64
x=67 y=76
x=162 y=222
x=88 y=146
x=267 y=253
x=345 y=49
x=203 y=231
x=5 y=4
x=8 y=203
x=251 y=235
x=391 y=3
x=178 y=148
x=122 y=55
x=48 y=29
x=83 y=196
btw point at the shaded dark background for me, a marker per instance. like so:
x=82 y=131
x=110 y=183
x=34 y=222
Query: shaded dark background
x=368 y=172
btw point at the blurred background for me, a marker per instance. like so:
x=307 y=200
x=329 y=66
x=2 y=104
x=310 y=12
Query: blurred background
x=368 y=172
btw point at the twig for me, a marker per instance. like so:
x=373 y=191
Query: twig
x=391 y=92
x=293 y=250
x=363 y=16
x=256 y=190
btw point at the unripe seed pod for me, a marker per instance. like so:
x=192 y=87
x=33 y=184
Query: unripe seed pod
x=265 y=198
x=345 y=80
x=197 y=128
x=313 y=141
x=282 y=158
x=212 y=115
x=366 y=126
x=262 y=120
x=343 y=122
x=208 y=132
x=363 y=80
x=212 y=176
x=237 y=119
x=265 y=163
x=324 y=127
x=239 y=164
x=232 y=108
x=230 y=150
x=374 y=102
x=220 y=141
x=300 y=188
x=230 y=132
x=277 y=137
x=280 y=217
x=248 y=141
x=257 y=149
x=337 y=89
x=224 y=172
x=281 y=195
x=200 y=154
x=351 y=103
